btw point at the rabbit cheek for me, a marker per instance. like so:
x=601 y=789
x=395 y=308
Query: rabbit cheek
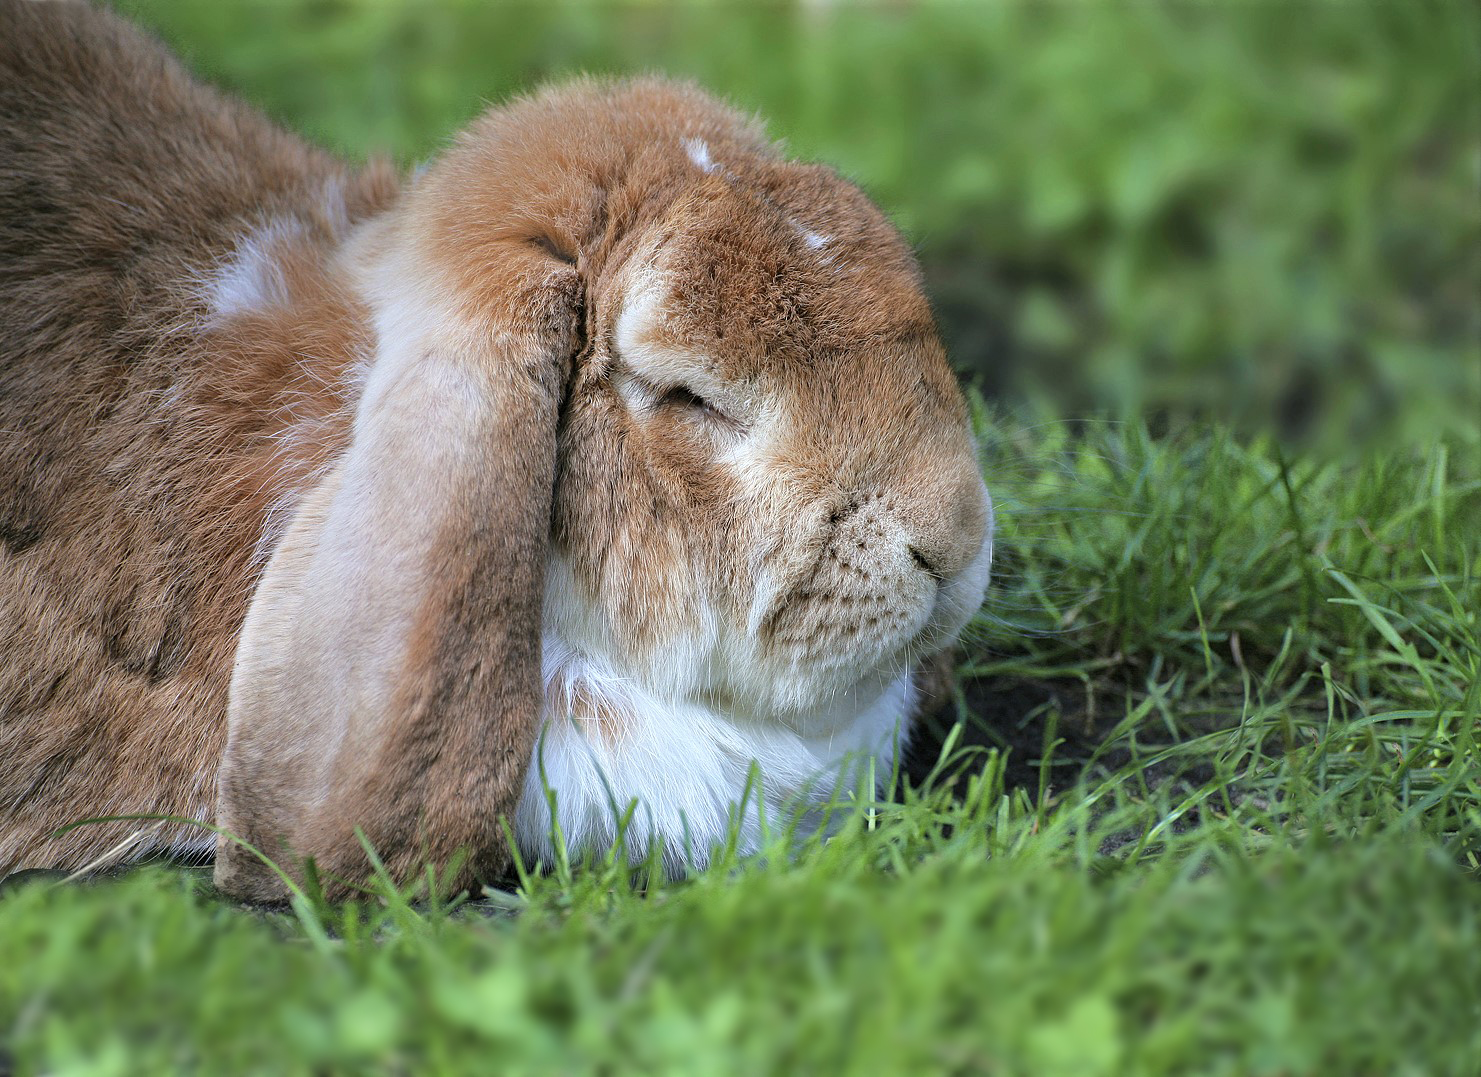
x=861 y=605
x=619 y=581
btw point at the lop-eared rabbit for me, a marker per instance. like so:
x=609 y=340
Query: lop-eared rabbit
x=609 y=459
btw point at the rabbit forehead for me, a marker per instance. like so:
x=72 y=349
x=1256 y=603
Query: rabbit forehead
x=892 y=371
x=787 y=277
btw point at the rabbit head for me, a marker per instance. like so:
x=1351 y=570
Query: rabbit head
x=767 y=496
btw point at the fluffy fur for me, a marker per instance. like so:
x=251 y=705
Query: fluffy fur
x=613 y=440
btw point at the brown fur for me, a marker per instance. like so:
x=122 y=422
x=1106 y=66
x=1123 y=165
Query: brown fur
x=127 y=527
x=153 y=454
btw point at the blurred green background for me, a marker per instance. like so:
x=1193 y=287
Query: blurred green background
x=1259 y=215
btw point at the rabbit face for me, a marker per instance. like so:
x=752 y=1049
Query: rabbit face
x=768 y=501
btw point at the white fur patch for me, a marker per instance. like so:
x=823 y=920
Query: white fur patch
x=252 y=279
x=687 y=766
x=699 y=152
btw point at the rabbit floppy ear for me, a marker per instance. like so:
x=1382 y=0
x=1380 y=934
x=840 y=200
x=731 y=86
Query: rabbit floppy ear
x=388 y=674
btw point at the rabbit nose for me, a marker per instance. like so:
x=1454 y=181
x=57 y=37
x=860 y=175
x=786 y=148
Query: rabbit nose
x=935 y=529
x=922 y=562
x=947 y=527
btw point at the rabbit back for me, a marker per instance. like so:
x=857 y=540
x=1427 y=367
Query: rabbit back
x=143 y=414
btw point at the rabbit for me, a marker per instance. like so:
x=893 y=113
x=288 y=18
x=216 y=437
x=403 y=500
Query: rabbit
x=612 y=459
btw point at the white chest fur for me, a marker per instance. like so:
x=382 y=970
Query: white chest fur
x=607 y=744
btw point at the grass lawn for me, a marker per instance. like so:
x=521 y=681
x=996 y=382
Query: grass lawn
x=1207 y=797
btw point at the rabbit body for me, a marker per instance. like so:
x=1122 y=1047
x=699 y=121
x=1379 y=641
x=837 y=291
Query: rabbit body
x=139 y=453
x=615 y=455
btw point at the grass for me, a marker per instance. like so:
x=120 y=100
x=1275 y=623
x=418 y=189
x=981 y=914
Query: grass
x=1283 y=619
x=1248 y=843
x=1210 y=797
x=947 y=938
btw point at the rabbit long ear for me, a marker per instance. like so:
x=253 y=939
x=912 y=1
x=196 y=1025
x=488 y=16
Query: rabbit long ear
x=387 y=677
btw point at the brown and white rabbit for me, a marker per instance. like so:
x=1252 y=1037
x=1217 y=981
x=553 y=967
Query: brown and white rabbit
x=613 y=442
